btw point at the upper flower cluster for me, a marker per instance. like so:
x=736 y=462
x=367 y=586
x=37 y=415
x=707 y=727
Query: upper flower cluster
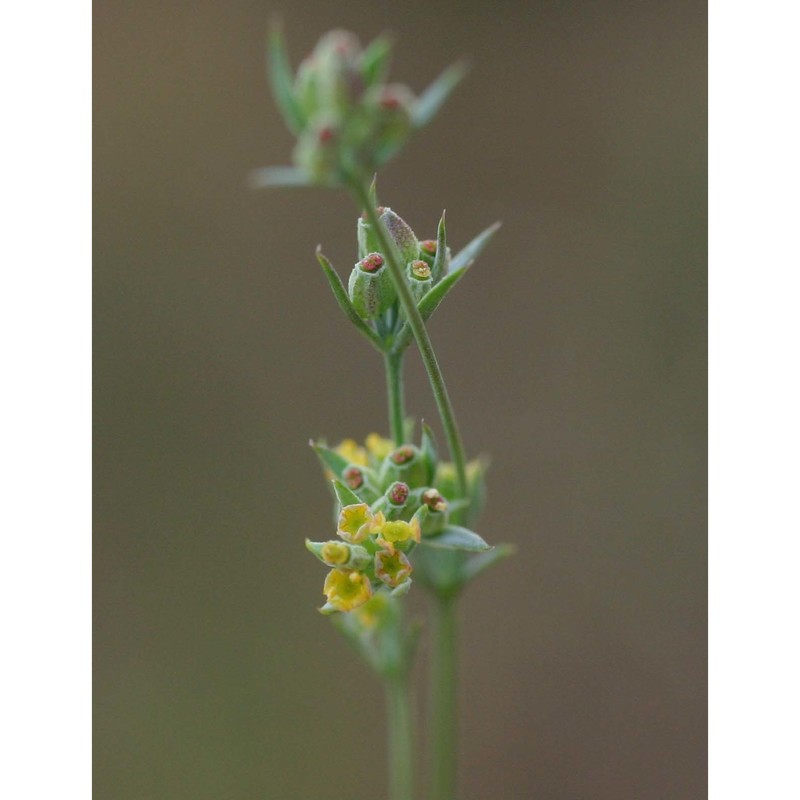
x=348 y=120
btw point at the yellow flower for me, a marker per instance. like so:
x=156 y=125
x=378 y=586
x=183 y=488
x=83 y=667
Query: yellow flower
x=356 y=522
x=393 y=568
x=351 y=451
x=379 y=447
x=397 y=531
x=347 y=589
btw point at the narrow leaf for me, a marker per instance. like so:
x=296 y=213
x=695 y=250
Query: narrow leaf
x=432 y=99
x=465 y=257
x=440 y=259
x=330 y=459
x=454 y=537
x=269 y=177
x=478 y=564
x=281 y=80
x=343 y=299
x=428 y=447
x=345 y=496
x=375 y=60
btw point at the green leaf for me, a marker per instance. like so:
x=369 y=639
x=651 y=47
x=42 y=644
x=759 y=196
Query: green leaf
x=345 y=496
x=428 y=447
x=409 y=423
x=479 y=563
x=273 y=177
x=454 y=537
x=330 y=459
x=281 y=80
x=465 y=257
x=343 y=299
x=439 y=261
x=433 y=98
x=375 y=60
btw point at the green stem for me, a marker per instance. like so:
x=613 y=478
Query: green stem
x=394 y=387
x=398 y=698
x=444 y=699
x=417 y=325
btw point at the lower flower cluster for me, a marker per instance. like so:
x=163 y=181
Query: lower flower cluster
x=385 y=504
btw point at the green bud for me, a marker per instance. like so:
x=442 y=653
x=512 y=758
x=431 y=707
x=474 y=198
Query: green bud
x=419 y=278
x=405 y=464
x=394 y=501
x=340 y=554
x=404 y=238
x=336 y=59
x=317 y=150
x=371 y=288
x=437 y=516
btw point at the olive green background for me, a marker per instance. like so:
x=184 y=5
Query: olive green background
x=574 y=352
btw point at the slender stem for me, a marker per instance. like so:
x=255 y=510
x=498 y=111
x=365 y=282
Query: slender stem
x=417 y=325
x=394 y=386
x=398 y=698
x=444 y=699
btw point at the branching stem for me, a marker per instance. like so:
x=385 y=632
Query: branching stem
x=417 y=325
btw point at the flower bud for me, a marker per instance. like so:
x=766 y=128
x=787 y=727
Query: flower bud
x=338 y=75
x=340 y=554
x=405 y=464
x=427 y=251
x=399 y=532
x=402 y=235
x=317 y=150
x=419 y=278
x=371 y=288
x=437 y=516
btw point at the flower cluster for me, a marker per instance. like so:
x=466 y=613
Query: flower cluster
x=371 y=288
x=348 y=120
x=385 y=504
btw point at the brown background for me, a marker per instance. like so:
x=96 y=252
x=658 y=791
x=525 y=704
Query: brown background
x=575 y=354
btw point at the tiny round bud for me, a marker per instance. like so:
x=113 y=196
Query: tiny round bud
x=398 y=493
x=434 y=500
x=420 y=270
x=335 y=553
x=326 y=134
x=371 y=263
x=429 y=246
x=353 y=477
x=403 y=454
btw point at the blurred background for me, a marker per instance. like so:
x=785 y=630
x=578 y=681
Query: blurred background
x=574 y=352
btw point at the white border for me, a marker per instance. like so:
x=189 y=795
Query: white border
x=45 y=331
x=755 y=402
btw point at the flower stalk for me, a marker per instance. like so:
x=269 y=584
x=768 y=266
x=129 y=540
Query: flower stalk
x=400 y=511
x=416 y=323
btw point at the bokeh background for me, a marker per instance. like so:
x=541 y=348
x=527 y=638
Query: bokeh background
x=574 y=351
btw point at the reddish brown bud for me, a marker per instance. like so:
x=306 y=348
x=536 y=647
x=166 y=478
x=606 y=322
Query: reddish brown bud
x=429 y=246
x=434 y=500
x=326 y=135
x=403 y=454
x=371 y=263
x=398 y=493
x=353 y=477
